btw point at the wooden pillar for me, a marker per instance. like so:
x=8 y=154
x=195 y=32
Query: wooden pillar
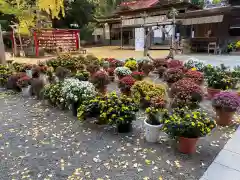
x=2 y=49
x=36 y=44
x=121 y=34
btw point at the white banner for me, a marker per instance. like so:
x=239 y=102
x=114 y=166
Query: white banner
x=157 y=32
x=139 y=39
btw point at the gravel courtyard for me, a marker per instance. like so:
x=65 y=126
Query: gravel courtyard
x=41 y=142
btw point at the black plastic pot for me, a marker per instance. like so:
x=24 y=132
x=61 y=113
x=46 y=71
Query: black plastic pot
x=75 y=106
x=124 y=128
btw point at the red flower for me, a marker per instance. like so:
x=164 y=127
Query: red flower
x=172 y=75
x=23 y=81
x=111 y=71
x=175 y=64
x=100 y=79
x=138 y=75
x=126 y=82
x=186 y=91
x=195 y=75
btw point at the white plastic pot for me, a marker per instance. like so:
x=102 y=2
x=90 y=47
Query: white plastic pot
x=25 y=91
x=152 y=132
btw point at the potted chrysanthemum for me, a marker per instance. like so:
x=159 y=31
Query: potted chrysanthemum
x=186 y=92
x=218 y=79
x=125 y=85
x=152 y=122
x=76 y=92
x=187 y=127
x=225 y=104
x=100 y=80
x=122 y=72
x=24 y=84
x=131 y=64
x=172 y=75
x=196 y=76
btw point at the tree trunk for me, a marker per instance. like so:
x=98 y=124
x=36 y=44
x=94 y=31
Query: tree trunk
x=2 y=49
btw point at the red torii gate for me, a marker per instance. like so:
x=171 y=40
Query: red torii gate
x=52 y=39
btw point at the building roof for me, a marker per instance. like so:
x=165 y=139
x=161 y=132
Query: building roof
x=139 y=4
x=206 y=12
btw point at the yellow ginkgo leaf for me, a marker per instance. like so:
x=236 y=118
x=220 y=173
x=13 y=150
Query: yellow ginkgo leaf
x=148 y=162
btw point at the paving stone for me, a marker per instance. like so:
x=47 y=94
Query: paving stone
x=229 y=159
x=219 y=172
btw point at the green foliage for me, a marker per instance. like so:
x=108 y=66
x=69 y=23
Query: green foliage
x=218 y=77
x=110 y=109
x=188 y=124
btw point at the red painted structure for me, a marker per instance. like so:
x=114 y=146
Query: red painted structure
x=52 y=39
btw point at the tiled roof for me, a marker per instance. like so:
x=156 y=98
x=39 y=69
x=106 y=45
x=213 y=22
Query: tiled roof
x=139 y=4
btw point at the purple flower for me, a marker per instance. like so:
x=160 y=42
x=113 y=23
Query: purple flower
x=229 y=101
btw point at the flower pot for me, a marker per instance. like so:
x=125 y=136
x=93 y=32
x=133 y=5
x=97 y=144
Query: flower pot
x=25 y=91
x=74 y=107
x=152 y=132
x=124 y=128
x=223 y=118
x=212 y=92
x=187 y=145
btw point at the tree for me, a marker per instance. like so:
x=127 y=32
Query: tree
x=78 y=12
x=106 y=7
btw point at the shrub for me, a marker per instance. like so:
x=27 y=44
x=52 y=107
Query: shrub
x=229 y=101
x=5 y=72
x=65 y=60
x=172 y=75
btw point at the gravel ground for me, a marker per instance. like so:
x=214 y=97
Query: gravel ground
x=41 y=142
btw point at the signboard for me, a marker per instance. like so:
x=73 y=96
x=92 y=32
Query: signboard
x=139 y=39
x=140 y=21
x=203 y=20
x=107 y=31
